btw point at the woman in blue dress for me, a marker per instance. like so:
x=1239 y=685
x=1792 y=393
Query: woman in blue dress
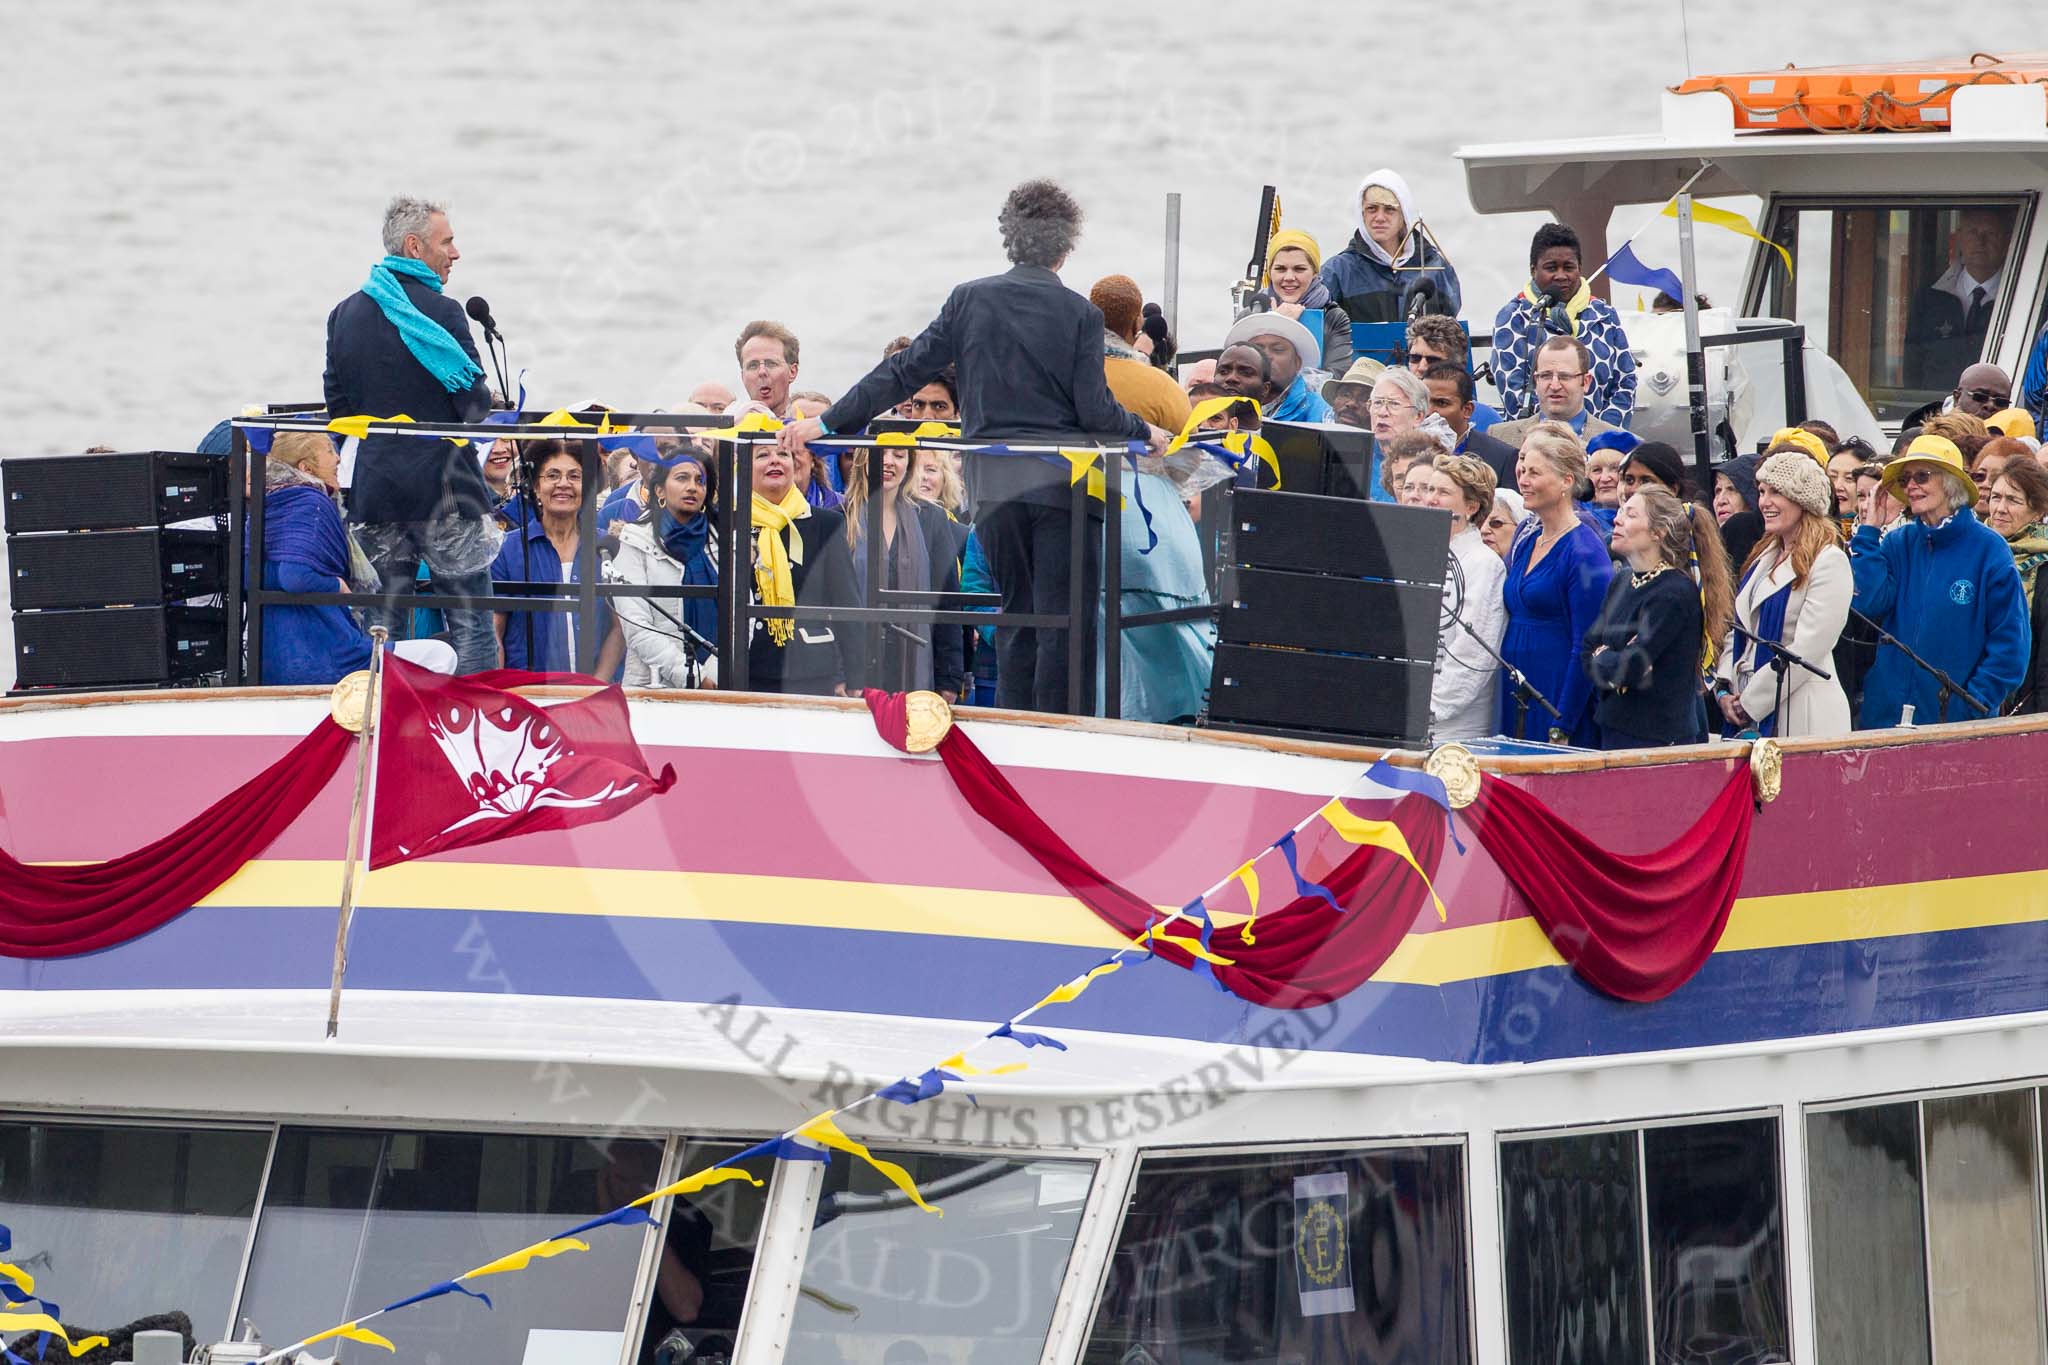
x=1557 y=579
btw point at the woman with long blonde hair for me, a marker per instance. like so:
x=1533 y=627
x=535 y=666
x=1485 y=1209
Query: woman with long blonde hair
x=918 y=555
x=1663 y=616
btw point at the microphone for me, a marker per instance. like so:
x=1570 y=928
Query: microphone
x=481 y=312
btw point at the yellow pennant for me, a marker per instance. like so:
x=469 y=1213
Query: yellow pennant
x=1384 y=834
x=1072 y=990
x=1733 y=222
x=748 y=425
x=1192 y=946
x=1088 y=464
x=1236 y=442
x=525 y=1256
x=351 y=1332
x=823 y=1131
x=1247 y=876
x=359 y=427
x=19 y=1276
x=959 y=1065
x=43 y=1322
x=690 y=1184
x=561 y=417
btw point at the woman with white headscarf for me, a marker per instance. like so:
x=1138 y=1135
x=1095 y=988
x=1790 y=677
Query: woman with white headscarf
x=1390 y=270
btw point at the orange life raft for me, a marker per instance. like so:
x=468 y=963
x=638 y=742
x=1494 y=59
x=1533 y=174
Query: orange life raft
x=1891 y=97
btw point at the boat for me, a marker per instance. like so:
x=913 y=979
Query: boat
x=1804 y=1124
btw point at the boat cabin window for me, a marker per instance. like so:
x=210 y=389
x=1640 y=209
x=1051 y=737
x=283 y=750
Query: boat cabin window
x=1662 y=1243
x=1927 y=1229
x=119 y=1224
x=1322 y=1258
x=353 y=1220
x=886 y=1283
x=1904 y=295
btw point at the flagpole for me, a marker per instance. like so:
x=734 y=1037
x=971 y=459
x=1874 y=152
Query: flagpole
x=1695 y=358
x=1643 y=226
x=366 y=736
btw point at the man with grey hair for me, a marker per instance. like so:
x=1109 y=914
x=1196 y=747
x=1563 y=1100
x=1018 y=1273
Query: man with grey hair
x=399 y=346
x=1028 y=351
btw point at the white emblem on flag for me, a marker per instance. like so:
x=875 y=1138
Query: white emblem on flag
x=505 y=760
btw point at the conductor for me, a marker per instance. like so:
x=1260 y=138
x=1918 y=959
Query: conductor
x=1029 y=352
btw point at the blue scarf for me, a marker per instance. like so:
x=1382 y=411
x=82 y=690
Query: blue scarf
x=430 y=343
x=688 y=543
x=1770 y=625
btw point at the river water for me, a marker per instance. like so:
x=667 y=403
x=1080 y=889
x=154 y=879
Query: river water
x=191 y=187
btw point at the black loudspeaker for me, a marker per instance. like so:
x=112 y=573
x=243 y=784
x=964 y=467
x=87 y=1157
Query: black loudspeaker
x=116 y=646
x=1324 y=458
x=1329 y=617
x=114 y=568
x=97 y=492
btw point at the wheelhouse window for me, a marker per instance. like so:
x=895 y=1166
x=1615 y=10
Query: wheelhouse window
x=1663 y=1243
x=1904 y=295
x=121 y=1223
x=886 y=1282
x=1318 y=1257
x=354 y=1220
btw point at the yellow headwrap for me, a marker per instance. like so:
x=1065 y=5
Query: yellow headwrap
x=1799 y=438
x=1300 y=241
x=772 y=558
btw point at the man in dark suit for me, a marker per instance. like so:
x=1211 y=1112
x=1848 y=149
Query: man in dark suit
x=1452 y=397
x=1029 y=355
x=1946 y=323
x=395 y=347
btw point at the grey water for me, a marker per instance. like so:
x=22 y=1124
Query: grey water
x=190 y=187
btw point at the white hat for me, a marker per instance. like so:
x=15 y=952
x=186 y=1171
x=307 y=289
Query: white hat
x=1513 y=499
x=1277 y=325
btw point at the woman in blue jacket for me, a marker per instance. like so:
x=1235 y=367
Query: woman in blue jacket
x=1558 y=570
x=1944 y=583
x=1557 y=297
x=1374 y=276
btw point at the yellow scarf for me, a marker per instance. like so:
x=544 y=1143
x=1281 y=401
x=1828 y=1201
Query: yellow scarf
x=772 y=579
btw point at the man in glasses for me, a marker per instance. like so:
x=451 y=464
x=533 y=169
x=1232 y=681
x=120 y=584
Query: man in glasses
x=1946 y=323
x=1558 y=375
x=1982 y=390
x=1434 y=340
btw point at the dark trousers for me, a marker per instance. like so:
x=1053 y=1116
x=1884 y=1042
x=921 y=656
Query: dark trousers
x=1030 y=555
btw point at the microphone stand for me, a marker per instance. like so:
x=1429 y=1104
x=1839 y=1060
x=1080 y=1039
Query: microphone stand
x=1525 y=691
x=1785 y=656
x=1949 y=686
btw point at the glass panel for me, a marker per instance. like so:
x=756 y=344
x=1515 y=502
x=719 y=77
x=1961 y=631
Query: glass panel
x=886 y=1283
x=1573 y=1248
x=118 y=1223
x=354 y=1220
x=1313 y=1258
x=1717 y=1251
x=1869 y=1256
x=1982 y=1235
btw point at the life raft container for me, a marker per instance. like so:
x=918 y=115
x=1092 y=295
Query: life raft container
x=1892 y=97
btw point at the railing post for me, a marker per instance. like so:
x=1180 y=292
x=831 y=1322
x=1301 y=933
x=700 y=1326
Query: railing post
x=1112 y=584
x=736 y=574
x=255 y=501
x=1795 y=378
x=587 y=642
x=1077 y=593
x=238 y=508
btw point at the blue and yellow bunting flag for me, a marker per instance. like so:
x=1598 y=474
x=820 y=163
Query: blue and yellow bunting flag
x=783 y=1148
x=351 y=1332
x=1421 y=784
x=690 y=1184
x=825 y=1132
x=1625 y=267
x=1247 y=876
x=435 y=1291
x=1026 y=1037
x=524 y=1257
x=1071 y=991
x=630 y=1216
x=1732 y=222
x=1303 y=886
x=44 y=1322
x=927 y=1085
x=1356 y=829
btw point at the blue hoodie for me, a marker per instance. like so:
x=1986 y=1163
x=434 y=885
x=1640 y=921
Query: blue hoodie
x=2034 y=382
x=1951 y=593
x=1300 y=404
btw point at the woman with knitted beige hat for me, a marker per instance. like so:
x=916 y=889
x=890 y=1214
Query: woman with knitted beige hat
x=1795 y=589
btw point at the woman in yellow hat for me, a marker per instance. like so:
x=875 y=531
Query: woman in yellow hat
x=1294 y=289
x=1944 y=583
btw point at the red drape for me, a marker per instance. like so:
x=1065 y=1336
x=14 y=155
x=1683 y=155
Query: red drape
x=1304 y=953
x=1635 y=927
x=62 y=911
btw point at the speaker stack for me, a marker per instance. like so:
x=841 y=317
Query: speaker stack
x=101 y=573
x=1328 y=620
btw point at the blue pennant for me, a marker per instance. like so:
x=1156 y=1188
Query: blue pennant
x=1421 y=784
x=624 y=1218
x=435 y=1292
x=1026 y=1037
x=782 y=1149
x=643 y=447
x=1199 y=908
x=907 y=1091
x=1137 y=487
x=14 y=1293
x=259 y=439
x=1302 y=885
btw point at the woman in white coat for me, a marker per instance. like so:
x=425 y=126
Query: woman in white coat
x=666 y=637
x=1796 y=587
x=1461 y=700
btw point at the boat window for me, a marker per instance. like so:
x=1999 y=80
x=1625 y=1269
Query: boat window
x=1573 y=1249
x=1696 y=1207
x=354 y=1220
x=120 y=1223
x=1983 y=1236
x=1318 y=1257
x=885 y=1282
x=1869 y=1253
x=1903 y=295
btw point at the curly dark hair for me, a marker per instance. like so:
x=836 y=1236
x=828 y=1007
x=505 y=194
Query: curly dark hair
x=1550 y=235
x=1040 y=224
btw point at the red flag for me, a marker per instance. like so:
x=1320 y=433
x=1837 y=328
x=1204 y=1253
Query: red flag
x=460 y=762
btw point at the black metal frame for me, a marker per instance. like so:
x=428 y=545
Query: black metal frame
x=737 y=613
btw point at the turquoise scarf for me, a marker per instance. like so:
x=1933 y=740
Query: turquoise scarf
x=430 y=343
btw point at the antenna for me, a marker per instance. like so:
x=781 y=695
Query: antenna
x=1685 y=33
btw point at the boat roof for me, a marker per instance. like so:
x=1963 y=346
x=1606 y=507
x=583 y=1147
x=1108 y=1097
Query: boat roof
x=1996 y=139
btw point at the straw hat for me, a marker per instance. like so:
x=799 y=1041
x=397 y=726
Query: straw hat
x=1362 y=375
x=2012 y=422
x=1790 y=473
x=1938 y=451
x=1277 y=325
